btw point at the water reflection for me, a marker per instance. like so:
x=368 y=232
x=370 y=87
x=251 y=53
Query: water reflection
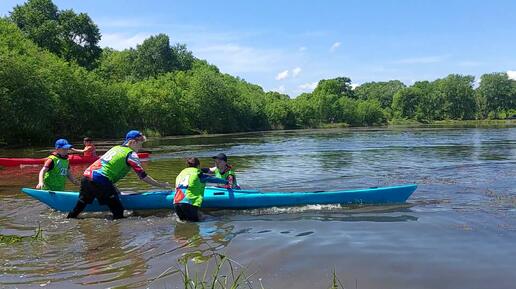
x=202 y=240
x=333 y=160
x=105 y=256
x=497 y=150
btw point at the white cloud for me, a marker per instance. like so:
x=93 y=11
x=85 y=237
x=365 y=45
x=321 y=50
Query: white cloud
x=234 y=58
x=476 y=82
x=308 y=86
x=511 y=74
x=282 y=75
x=285 y=73
x=280 y=89
x=335 y=46
x=421 y=60
x=354 y=85
x=121 y=40
x=296 y=71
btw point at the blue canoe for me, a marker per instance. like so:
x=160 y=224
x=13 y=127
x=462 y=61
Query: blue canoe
x=219 y=198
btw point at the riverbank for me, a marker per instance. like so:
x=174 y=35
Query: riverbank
x=414 y=123
x=392 y=124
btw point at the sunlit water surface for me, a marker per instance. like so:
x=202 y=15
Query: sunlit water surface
x=456 y=231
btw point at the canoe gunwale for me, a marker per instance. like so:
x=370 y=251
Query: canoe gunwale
x=221 y=198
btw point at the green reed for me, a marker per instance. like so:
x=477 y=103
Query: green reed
x=224 y=273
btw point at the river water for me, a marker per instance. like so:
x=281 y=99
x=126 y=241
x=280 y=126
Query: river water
x=458 y=230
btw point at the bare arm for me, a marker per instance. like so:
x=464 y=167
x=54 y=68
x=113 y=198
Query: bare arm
x=134 y=162
x=72 y=178
x=42 y=172
x=86 y=149
x=151 y=181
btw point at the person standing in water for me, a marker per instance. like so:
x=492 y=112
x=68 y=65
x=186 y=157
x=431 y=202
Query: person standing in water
x=56 y=169
x=190 y=184
x=99 y=179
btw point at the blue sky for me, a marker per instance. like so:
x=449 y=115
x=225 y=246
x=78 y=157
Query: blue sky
x=288 y=46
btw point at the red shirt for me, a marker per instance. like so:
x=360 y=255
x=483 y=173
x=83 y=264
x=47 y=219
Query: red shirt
x=90 y=151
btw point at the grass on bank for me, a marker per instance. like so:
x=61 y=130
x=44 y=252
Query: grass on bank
x=452 y=123
x=413 y=122
x=484 y=122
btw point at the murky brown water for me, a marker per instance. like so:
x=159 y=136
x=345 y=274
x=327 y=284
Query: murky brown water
x=457 y=231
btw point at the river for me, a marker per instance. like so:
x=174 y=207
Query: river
x=458 y=230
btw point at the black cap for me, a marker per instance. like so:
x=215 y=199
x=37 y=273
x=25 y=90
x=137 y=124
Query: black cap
x=221 y=157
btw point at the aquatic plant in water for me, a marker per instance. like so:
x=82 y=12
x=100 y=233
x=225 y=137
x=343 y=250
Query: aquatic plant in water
x=225 y=274
x=13 y=239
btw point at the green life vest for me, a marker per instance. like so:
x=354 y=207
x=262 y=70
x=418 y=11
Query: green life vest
x=114 y=163
x=226 y=174
x=54 y=179
x=189 y=188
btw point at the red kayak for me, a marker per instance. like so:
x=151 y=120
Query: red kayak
x=74 y=159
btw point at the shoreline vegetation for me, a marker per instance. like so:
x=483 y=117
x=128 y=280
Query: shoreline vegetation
x=415 y=123
x=55 y=81
x=396 y=123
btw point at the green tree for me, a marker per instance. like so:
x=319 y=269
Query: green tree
x=39 y=20
x=326 y=95
x=183 y=57
x=48 y=97
x=156 y=105
x=512 y=102
x=340 y=86
x=117 y=65
x=305 y=111
x=25 y=102
x=154 y=57
x=348 y=111
x=278 y=111
x=80 y=38
x=495 y=95
x=370 y=112
x=405 y=101
x=211 y=103
x=459 y=96
x=383 y=92
x=72 y=36
x=430 y=105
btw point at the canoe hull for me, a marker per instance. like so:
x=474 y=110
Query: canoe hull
x=73 y=159
x=219 y=198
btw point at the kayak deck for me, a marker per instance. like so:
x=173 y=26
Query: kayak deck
x=220 y=198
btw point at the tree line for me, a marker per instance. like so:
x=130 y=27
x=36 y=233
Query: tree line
x=55 y=81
